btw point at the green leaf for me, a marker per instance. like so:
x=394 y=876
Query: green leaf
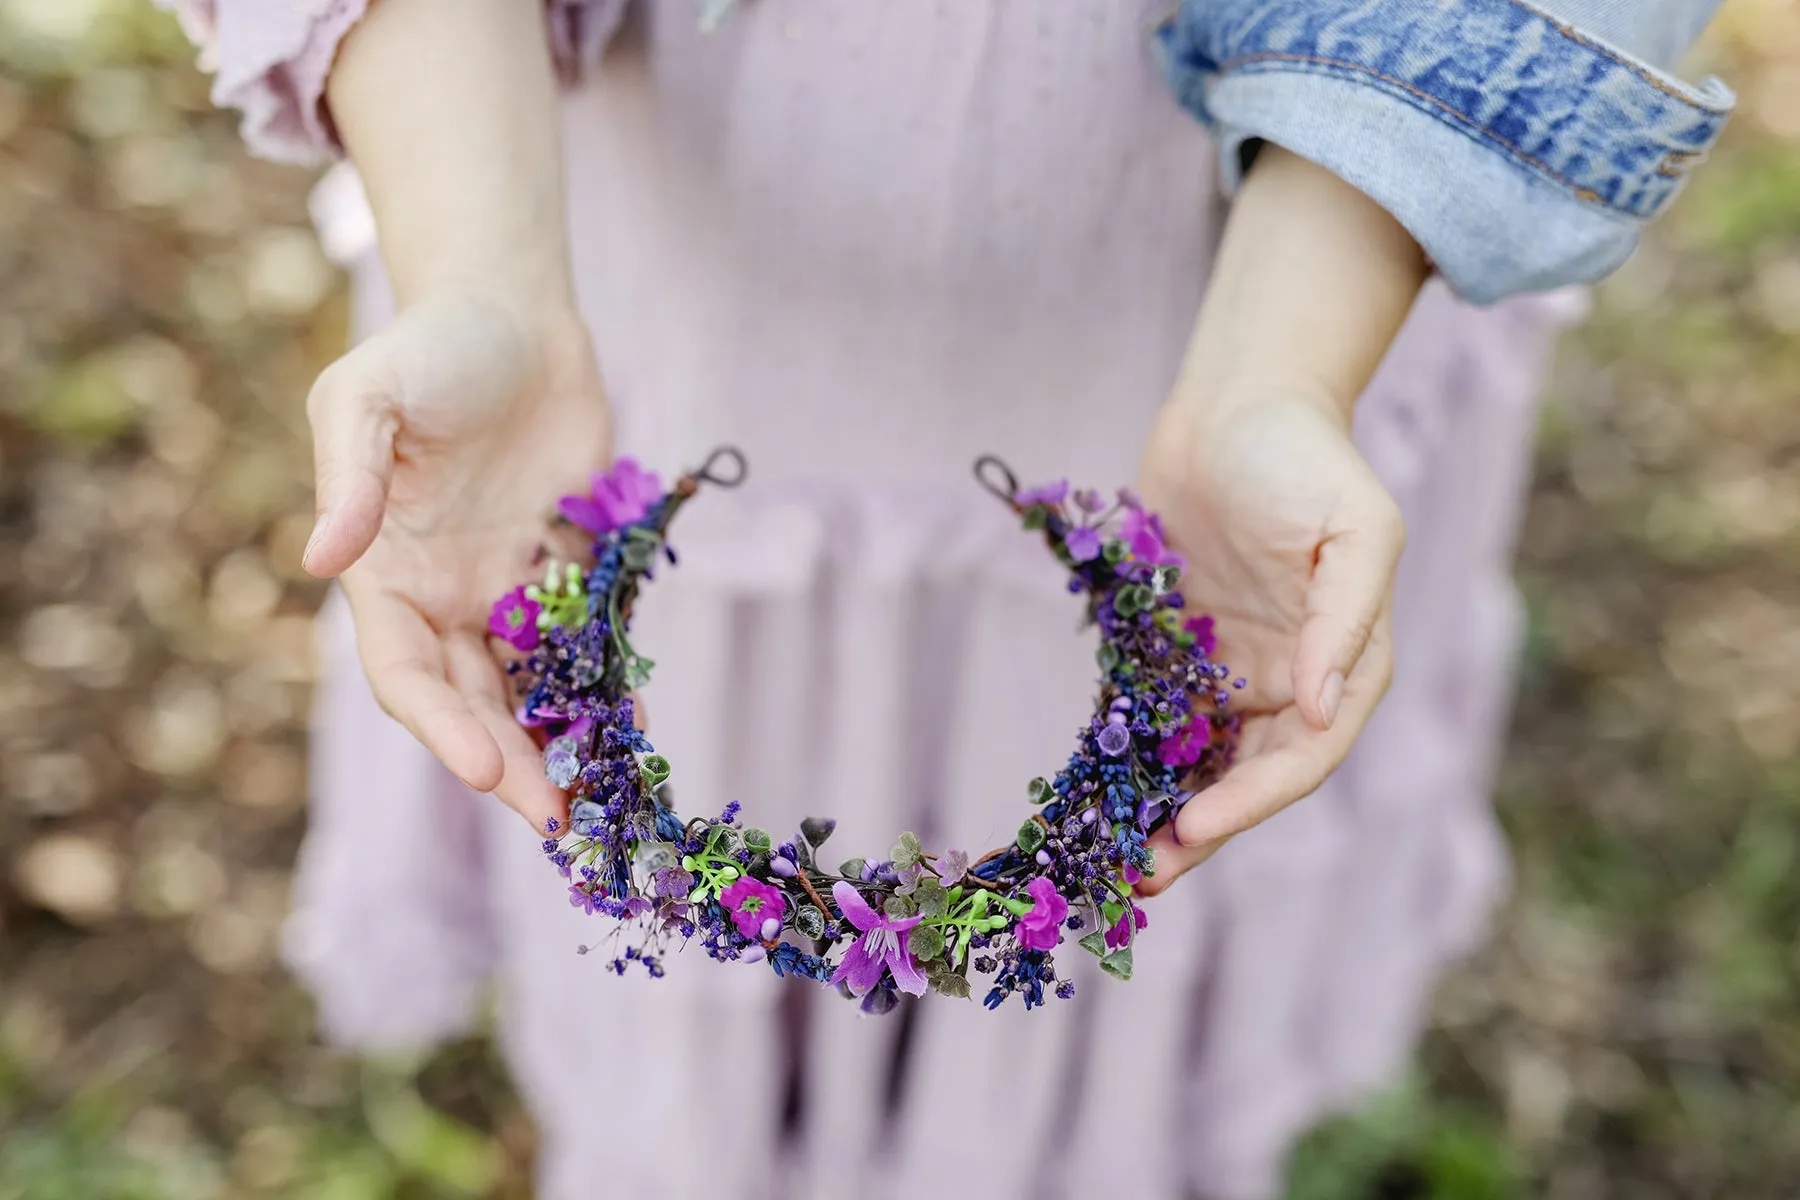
x=654 y=768
x=907 y=850
x=930 y=896
x=1039 y=791
x=1113 y=551
x=757 y=841
x=1095 y=943
x=946 y=982
x=1107 y=656
x=926 y=942
x=851 y=868
x=816 y=829
x=1031 y=836
x=1118 y=963
x=1036 y=517
x=898 y=907
x=639 y=555
x=809 y=921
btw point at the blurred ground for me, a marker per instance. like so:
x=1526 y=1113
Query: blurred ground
x=1634 y=1030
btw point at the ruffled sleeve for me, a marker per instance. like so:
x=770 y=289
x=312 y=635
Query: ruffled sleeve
x=1524 y=145
x=271 y=61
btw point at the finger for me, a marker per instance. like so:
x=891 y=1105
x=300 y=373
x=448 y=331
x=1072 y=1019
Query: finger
x=523 y=786
x=353 y=425
x=1352 y=583
x=1173 y=860
x=1293 y=761
x=404 y=660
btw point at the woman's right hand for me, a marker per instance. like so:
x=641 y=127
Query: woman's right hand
x=441 y=445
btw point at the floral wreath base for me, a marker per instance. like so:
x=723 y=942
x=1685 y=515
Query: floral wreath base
x=913 y=919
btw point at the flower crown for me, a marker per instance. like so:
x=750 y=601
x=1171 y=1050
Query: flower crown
x=913 y=918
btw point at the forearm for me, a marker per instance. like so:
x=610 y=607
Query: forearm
x=1312 y=282
x=448 y=109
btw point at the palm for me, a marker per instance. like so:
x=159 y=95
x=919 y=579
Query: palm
x=490 y=420
x=1290 y=543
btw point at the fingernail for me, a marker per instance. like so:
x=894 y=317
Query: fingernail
x=1330 y=695
x=317 y=533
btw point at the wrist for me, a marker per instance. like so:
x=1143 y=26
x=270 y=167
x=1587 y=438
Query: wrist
x=1207 y=402
x=531 y=290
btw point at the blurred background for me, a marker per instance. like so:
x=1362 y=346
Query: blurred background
x=1633 y=1030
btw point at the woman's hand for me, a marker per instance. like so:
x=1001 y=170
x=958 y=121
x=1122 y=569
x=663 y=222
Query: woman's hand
x=1290 y=540
x=443 y=441
x=441 y=445
x=1292 y=543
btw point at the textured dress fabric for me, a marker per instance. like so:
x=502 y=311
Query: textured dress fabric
x=867 y=243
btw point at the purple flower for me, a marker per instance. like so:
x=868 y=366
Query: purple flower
x=1041 y=928
x=616 y=498
x=671 y=883
x=1143 y=532
x=1083 y=542
x=1184 y=747
x=1119 y=936
x=883 y=944
x=580 y=897
x=1114 y=740
x=1052 y=494
x=515 y=619
x=952 y=865
x=1206 y=641
x=753 y=905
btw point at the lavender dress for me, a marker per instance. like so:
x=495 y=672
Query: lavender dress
x=866 y=243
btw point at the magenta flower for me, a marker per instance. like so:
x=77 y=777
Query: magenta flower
x=1083 y=542
x=1143 y=532
x=1184 y=747
x=753 y=905
x=515 y=619
x=1205 y=640
x=616 y=498
x=883 y=945
x=1052 y=494
x=1041 y=928
x=1119 y=936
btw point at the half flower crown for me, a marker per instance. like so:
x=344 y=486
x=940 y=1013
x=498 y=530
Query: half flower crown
x=912 y=919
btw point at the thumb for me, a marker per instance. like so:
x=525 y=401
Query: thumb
x=353 y=428
x=1352 y=582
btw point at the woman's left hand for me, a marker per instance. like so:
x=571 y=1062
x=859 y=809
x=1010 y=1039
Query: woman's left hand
x=1291 y=544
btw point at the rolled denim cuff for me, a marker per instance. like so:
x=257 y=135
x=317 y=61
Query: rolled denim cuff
x=1521 y=153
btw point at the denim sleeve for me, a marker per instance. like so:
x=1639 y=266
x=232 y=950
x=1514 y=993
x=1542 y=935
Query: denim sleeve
x=1524 y=145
